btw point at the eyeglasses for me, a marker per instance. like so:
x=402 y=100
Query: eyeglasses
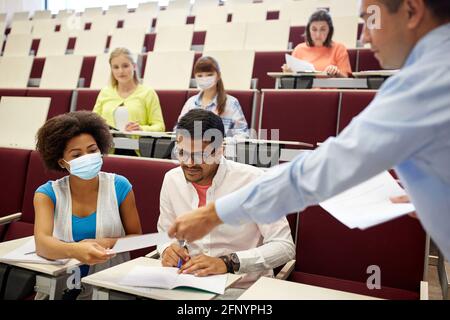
x=196 y=157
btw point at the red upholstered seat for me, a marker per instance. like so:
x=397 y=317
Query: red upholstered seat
x=13 y=92
x=367 y=60
x=36 y=175
x=172 y=101
x=300 y=115
x=267 y=62
x=326 y=248
x=60 y=103
x=352 y=104
x=86 y=99
x=353 y=57
x=87 y=69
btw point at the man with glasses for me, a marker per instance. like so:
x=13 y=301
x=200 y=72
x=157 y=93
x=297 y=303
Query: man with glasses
x=203 y=176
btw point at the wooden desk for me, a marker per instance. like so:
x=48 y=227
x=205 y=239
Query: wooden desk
x=274 y=289
x=50 y=279
x=106 y=282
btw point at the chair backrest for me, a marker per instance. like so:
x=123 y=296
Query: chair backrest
x=23 y=15
x=43 y=27
x=18 y=45
x=72 y=24
x=61 y=99
x=204 y=4
x=15 y=71
x=138 y=20
x=42 y=15
x=236 y=67
x=267 y=62
x=62 y=14
x=182 y=5
x=104 y=23
x=171 y=102
x=346 y=30
x=13 y=169
x=86 y=99
x=297 y=12
x=173 y=17
x=367 y=60
x=243 y=13
x=102 y=72
x=21 y=27
x=210 y=15
x=118 y=10
x=17 y=130
x=92 y=12
x=36 y=175
x=90 y=43
x=61 y=72
x=328 y=248
x=132 y=39
x=352 y=103
x=146 y=176
x=300 y=115
x=229 y=36
x=148 y=8
x=271 y=35
x=161 y=68
x=53 y=44
x=174 y=38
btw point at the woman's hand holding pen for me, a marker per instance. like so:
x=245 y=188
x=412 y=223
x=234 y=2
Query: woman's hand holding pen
x=133 y=126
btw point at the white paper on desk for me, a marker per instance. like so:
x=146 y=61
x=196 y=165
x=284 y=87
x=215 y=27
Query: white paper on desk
x=169 y=278
x=138 y=242
x=22 y=254
x=298 y=65
x=368 y=204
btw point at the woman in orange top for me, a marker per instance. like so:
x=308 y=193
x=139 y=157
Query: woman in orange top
x=319 y=48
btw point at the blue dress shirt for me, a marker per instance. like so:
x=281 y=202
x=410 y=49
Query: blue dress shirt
x=407 y=126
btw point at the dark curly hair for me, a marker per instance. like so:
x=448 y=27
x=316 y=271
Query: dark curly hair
x=320 y=15
x=53 y=136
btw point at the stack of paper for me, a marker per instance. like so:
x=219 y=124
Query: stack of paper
x=368 y=203
x=27 y=253
x=298 y=65
x=169 y=278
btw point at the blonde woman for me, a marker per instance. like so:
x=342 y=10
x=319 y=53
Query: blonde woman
x=125 y=98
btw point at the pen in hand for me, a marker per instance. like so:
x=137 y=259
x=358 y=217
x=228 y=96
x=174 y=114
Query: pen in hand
x=182 y=244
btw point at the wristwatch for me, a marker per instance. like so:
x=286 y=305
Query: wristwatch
x=231 y=262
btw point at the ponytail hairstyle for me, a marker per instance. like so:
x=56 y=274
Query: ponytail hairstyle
x=209 y=64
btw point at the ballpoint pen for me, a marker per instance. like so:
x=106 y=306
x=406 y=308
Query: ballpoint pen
x=181 y=243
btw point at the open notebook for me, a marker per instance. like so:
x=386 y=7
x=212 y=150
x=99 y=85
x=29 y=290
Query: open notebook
x=168 y=278
x=27 y=253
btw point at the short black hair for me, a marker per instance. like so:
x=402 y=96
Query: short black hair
x=320 y=15
x=205 y=120
x=53 y=136
x=439 y=8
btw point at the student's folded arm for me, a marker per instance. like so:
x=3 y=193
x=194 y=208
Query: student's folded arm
x=277 y=248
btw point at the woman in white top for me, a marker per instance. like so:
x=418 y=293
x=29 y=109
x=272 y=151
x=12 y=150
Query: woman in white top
x=213 y=97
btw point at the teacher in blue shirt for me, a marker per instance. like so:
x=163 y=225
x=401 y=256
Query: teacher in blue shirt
x=407 y=126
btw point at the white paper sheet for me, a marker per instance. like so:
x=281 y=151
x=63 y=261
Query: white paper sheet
x=298 y=65
x=368 y=204
x=121 y=118
x=168 y=278
x=138 y=242
x=26 y=253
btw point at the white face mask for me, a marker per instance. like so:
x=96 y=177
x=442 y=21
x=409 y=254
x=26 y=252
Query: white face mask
x=204 y=83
